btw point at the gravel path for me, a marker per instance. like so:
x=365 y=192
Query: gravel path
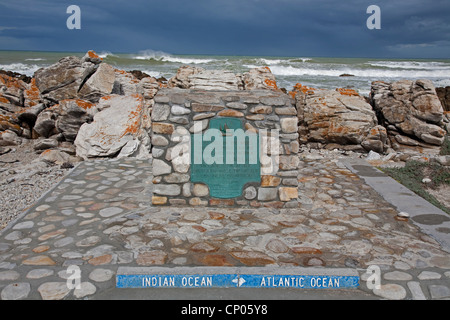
x=23 y=179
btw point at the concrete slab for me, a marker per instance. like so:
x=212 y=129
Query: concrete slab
x=430 y=219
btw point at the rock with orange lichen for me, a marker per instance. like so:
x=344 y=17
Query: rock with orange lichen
x=30 y=114
x=347 y=92
x=119 y=129
x=72 y=114
x=376 y=140
x=188 y=77
x=101 y=83
x=17 y=91
x=74 y=78
x=127 y=83
x=32 y=95
x=299 y=88
x=328 y=116
x=10 y=122
x=260 y=78
x=181 y=79
x=92 y=57
x=65 y=118
x=62 y=80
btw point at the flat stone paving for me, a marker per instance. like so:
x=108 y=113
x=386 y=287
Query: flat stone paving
x=100 y=218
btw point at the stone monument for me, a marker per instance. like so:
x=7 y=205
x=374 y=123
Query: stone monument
x=224 y=148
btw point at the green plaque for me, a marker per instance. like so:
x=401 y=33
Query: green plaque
x=225 y=158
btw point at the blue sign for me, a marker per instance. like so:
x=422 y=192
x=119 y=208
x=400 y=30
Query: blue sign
x=236 y=281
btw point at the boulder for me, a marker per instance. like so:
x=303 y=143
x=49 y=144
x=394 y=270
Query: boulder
x=259 y=78
x=444 y=97
x=10 y=138
x=44 y=144
x=71 y=114
x=129 y=83
x=327 y=116
x=74 y=78
x=188 y=77
x=63 y=79
x=219 y=80
x=10 y=122
x=120 y=128
x=30 y=114
x=92 y=57
x=45 y=125
x=57 y=157
x=411 y=112
x=99 y=84
x=73 y=86
x=376 y=140
x=181 y=79
x=17 y=91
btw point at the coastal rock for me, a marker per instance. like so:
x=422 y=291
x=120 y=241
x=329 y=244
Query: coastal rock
x=65 y=118
x=148 y=87
x=181 y=79
x=63 y=79
x=30 y=114
x=57 y=157
x=92 y=57
x=129 y=83
x=19 y=104
x=125 y=83
x=376 y=140
x=43 y=144
x=71 y=115
x=260 y=78
x=119 y=129
x=74 y=78
x=45 y=124
x=328 y=116
x=10 y=122
x=411 y=112
x=444 y=97
x=99 y=84
x=214 y=80
x=188 y=77
x=16 y=93
x=10 y=138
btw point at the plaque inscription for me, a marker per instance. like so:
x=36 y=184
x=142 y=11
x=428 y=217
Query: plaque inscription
x=225 y=158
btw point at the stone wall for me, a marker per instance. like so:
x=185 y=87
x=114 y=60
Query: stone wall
x=179 y=114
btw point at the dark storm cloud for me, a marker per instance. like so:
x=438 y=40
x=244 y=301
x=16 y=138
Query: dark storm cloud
x=253 y=27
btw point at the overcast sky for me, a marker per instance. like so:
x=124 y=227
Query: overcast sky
x=409 y=28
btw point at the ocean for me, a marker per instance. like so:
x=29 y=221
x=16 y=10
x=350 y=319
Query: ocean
x=315 y=72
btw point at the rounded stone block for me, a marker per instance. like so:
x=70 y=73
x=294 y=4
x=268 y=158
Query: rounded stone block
x=200 y=190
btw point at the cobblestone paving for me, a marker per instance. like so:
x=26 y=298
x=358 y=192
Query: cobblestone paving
x=100 y=217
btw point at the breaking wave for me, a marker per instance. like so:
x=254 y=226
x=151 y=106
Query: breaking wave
x=22 y=68
x=166 y=57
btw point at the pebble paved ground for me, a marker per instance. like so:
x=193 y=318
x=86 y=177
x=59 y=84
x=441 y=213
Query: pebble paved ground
x=100 y=218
